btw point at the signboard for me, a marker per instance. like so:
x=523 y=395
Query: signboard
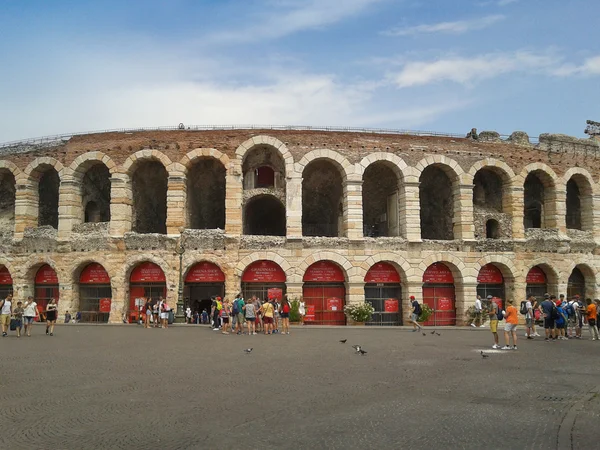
x=438 y=273
x=324 y=272
x=391 y=305
x=276 y=293
x=310 y=313
x=263 y=272
x=205 y=272
x=105 y=305
x=94 y=274
x=490 y=274
x=46 y=275
x=334 y=304
x=536 y=276
x=147 y=272
x=5 y=278
x=444 y=304
x=382 y=273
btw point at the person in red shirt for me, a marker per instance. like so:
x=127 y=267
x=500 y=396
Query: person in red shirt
x=511 y=326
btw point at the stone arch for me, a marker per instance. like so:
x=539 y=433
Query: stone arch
x=32 y=265
x=82 y=163
x=504 y=263
x=341 y=162
x=349 y=270
x=553 y=276
x=588 y=271
x=12 y=167
x=10 y=267
x=550 y=176
x=275 y=143
x=400 y=167
x=404 y=268
x=133 y=261
x=191 y=157
x=448 y=165
x=143 y=155
x=579 y=190
x=462 y=273
x=92 y=175
x=192 y=261
x=32 y=169
x=81 y=263
x=269 y=256
x=493 y=164
x=540 y=208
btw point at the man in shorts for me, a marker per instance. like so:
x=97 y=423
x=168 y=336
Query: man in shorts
x=5 y=312
x=493 y=314
x=415 y=312
x=510 y=329
x=547 y=307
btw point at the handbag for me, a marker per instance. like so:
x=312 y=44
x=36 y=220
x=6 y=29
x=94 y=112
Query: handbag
x=13 y=324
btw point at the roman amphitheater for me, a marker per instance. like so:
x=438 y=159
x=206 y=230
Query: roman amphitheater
x=336 y=217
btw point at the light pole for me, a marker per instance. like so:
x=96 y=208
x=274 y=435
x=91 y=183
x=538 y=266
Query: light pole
x=180 y=316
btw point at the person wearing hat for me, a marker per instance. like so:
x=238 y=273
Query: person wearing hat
x=415 y=312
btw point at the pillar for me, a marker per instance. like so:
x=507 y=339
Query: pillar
x=69 y=206
x=353 y=217
x=176 y=203
x=466 y=294
x=293 y=208
x=464 y=228
x=66 y=300
x=558 y=211
x=516 y=210
x=233 y=200
x=119 y=302
x=293 y=290
x=410 y=289
x=26 y=206
x=121 y=202
x=410 y=211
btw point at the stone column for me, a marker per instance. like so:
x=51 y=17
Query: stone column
x=26 y=207
x=294 y=207
x=591 y=217
x=233 y=200
x=69 y=206
x=558 y=217
x=66 y=301
x=466 y=294
x=353 y=223
x=176 y=203
x=119 y=302
x=410 y=211
x=355 y=293
x=464 y=228
x=414 y=289
x=121 y=201
x=293 y=290
x=517 y=212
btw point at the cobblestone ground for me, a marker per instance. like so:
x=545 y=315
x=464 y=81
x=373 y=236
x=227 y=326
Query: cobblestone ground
x=189 y=387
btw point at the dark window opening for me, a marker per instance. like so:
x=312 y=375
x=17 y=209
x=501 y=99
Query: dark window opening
x=534 y=202
x=95 y=193
x=576 y=284
x=264 y=216
x=380 y=201
x=492 y=229
x=322 y=207
x=7 y=201
x=48 y=189
x=265 y=177
x=573 y=206
x=206 y=195
x=437 y=204
x=150 y=182
x=487 y=190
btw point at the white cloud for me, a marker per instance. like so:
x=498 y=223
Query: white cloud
x=456 y=27
x=590 y=67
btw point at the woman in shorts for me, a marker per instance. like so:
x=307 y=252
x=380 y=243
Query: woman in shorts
x=51 y=316
x=29 y=314
x=285 y=315
x=250 y=317
x=302 y=311
x=164 y=314
x=156 y=315
x=225 y=313
x=148 y=310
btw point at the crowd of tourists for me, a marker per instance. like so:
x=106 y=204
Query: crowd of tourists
x=18 y=315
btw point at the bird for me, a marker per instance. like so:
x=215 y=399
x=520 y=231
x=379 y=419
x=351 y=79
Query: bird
x=433 y=332
x=424 y=334
x=483 y=355
x=361 y=351
x=248 y=350
x=343 y=341
x=437 y=333
x=356 y=347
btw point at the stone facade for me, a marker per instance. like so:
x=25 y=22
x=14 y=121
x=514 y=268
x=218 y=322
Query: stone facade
x=118 y=249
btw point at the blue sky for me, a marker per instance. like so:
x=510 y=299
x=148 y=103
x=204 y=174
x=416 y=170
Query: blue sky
x=505 y=65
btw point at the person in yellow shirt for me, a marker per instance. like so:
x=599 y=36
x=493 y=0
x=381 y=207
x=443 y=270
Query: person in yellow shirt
x=592 y=315
x=268 y=312
x=510 y=328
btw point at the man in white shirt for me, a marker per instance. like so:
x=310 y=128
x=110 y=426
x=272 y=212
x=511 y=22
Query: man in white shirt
x=529 y=317
x=478 y=312
x=5 y=312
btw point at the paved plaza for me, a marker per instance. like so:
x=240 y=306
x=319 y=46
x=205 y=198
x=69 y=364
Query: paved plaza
x=189 y=387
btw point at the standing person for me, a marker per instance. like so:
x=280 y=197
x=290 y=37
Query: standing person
x=268 y=313
x=29 y=314
x=302 y=311
x=259 y=318
x=561 y=321
x=285 y=315
x=592 y=314
x=18 y=315
x=204 y=316
x=225 y=312
x=535 y=307
x=493 y=315
x=547 y=309
x=51 y=315
x=67 y=317
x=148 y=311
x=476 y=320
x=217 y=313
x=510 y=329
x=156 y=315
x=415 y=312
x=250 y=317
x=188 y=315
x=579 y=314
x=276 y=316
x=165 y=309
x=529 y=317
x=5 y=312
x=240 y=314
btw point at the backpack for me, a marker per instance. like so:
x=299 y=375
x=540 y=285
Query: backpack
x=236 y=309
x=418 y=309
x=499 y=314
x=554 y=313
x=523 y=308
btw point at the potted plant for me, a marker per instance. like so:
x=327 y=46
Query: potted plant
x=359 y=312
x=426 y=313
x=294 y=314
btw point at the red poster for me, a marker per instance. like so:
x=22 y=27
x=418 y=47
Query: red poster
x=490 y=274
x=310 y=313
x=498 y=301
x=438 y=273
x=264 y=272
x=444 y=304
x=391 y=305
x=46 y=275
x=94 y=274
x=275 y=293
x=536 y=276
x=5 y=278
x=324 y=271
x=105 y=305
x=147 y=272
x=382 y=273
x=205 y=272
x=334 y=304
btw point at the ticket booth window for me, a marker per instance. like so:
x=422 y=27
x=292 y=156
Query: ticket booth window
x=384 y=292
x=324 y=294
x=439 y=295
x=203 y=281
x=46 y=287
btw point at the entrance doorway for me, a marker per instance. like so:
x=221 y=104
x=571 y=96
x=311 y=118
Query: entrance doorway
x=537 y=284
x=46 y=288
x=147 y=280
x=324 y=294
x=263 y=279
x=94 y=294
x=384 y=293
x=576 y=284
x=439 y=295
x=203 y=281
x=490 y=281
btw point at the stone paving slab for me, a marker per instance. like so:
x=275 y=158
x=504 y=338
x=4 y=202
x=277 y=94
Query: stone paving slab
x=189 y=387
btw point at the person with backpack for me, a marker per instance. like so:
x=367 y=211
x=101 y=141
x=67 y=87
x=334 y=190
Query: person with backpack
x=238 y=313
x=561 y=321
x=548 y=309
x=529 y=317
x=494 y=315
x=285 y=315
x=415 y=312
x=571 y=312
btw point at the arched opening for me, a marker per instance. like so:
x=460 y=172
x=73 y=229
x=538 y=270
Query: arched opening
x=147 y=280
x=490 y=282
x=490 y=202
x=6 y=282
x=324 y=294
x=580 y=207
x=487 y=190
x=265 y=177
x=538 y=198
x=322 y=199
x=263 y=168
x=264 y=215
x=576 y=284
x=95 y=194
x=7 y=202
x=492 y=229
x=203 y=281
x=48 y=188
x=537 y=283
x=46 y=287
x=380 y=199
x=439 y=294
x=384 y=292
x=573 y=205
x=436 y=204
x=95 y=294
x=206 y=194
x=150 y=182
x=264 y=280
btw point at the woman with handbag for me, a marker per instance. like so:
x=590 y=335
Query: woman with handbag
x=30 y=313
x=51 y=316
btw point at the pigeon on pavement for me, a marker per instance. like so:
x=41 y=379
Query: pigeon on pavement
x=248 y=350
x=438 y=333
x=424 y=334
x=433 y=332
x=483 y=355
x=361 y=351
x=356 y=347
x=343 y=341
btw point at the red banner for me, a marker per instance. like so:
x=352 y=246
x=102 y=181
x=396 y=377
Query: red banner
x=382 y=273
x=276 y=293
x=46 y=275
x=310 y=313
x=324 y=271
x=147 y=272
x=5 y=278
x=94 y=274
x=334 y=304
x=263 y=272
x=444 y=304
x=205 y=272
x=438 y=273
x=536 y=276
x=105 y=305
x=490 y=274
x=391 y=305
